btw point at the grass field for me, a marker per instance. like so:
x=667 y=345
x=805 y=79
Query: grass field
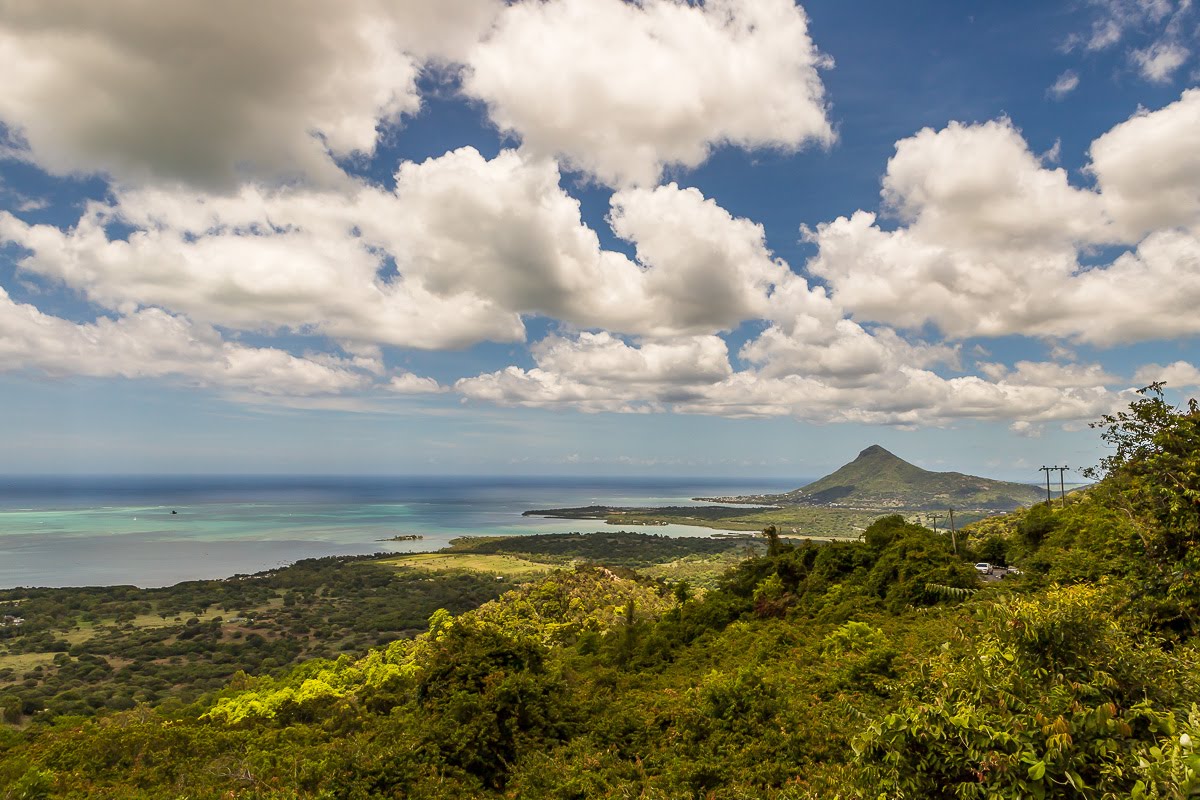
x=23 y=662
x=83 y=631
x=702 y=571
x=156 y=621
x=488 y=564
x=807 y=521
x=81 y=634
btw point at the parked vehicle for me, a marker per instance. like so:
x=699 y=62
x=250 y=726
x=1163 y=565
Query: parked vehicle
x=983 y=568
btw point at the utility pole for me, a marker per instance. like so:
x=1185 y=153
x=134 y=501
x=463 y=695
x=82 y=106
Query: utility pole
x=935 y=518
x=953 y=538
x=1060 y=470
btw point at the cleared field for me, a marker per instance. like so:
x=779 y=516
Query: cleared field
x=805 y=521
x=157 y=621
x=23 y=662
x=701 y=571
x=85 y=631
x=489 y=564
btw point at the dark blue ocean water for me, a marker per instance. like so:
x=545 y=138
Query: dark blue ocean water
x=120 y=530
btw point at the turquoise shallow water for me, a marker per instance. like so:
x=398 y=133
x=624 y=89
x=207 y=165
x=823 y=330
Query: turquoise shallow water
x=90 y=531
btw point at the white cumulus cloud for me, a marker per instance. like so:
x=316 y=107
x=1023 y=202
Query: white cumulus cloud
x=994 y=243
x=621 y=90
x=1177 y=375
x=1051 y=373
x=1148 y=167
x=601 y=358
x=408 y=383
x=152 y=344
x=212 y=93
x=455 y=254
x=599 y=373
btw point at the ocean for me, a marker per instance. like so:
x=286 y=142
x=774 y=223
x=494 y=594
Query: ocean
x=85 y=531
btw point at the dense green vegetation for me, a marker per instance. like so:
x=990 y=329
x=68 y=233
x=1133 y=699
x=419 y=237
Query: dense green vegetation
x=80 y=650
x=880 y=668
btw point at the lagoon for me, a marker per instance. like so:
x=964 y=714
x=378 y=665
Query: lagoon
x=73 y=531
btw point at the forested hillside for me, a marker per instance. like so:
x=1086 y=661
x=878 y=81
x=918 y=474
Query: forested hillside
x=884 y=668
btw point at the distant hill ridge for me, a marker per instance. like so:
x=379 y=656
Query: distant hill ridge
x=880 y=479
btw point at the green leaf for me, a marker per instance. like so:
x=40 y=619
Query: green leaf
x=1037 y=771
x=1076 y=780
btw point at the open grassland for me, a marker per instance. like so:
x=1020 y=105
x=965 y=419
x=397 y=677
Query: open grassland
x=80 y=634
x=795 y=521
x=610 y=548
x=163 y=619
x=489 y=564
x=702 y=571
x=810 y=522
x=84 y=631
x=696 y=560
x=20 y=662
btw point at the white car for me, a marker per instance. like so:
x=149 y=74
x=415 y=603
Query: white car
x=983 y=568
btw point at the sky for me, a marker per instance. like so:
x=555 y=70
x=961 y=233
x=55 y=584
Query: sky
x=591 y=237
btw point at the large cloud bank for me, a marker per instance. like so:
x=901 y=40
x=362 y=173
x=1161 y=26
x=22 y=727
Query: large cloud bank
x=232 y=209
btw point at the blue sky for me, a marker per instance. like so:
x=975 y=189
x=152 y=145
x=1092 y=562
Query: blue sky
x=741 y=237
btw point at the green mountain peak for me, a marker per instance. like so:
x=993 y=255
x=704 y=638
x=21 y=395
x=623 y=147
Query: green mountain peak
x=878 y=478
